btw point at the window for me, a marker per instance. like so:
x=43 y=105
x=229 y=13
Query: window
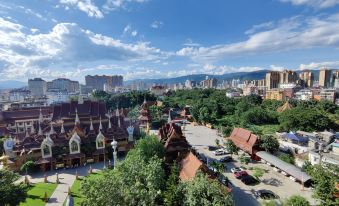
x=46 y=150
x=74 y=146
x=100 y=141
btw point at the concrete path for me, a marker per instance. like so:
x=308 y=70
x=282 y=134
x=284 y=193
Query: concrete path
x=66 y=178
x=60 y=193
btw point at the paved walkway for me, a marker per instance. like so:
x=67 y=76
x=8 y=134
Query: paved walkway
x=66 y=178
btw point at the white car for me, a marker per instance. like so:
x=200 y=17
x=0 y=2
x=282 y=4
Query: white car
x=219 y=152
x=236 y=169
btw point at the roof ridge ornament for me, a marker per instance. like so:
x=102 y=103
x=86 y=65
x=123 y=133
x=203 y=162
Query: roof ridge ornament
x=62 y=131
x=40 y=130
x=100 y=125
x=91 y=128
x=77 y=120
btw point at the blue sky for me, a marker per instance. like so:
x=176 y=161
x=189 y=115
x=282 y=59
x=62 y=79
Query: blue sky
x=164 y=38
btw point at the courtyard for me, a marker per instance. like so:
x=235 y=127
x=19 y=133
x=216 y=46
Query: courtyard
x=200 y=137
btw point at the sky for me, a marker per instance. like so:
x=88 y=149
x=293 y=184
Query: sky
x=164 y=38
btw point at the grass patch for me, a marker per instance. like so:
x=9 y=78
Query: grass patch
x=76 y=191
x=36 y=194
x=267 y=128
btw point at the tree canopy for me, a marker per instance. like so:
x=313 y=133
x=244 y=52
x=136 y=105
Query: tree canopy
x=10 y=193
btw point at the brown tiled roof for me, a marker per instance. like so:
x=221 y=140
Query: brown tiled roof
x=244 y=139
x=286 y=106
x=27 y=113
x=189 y=167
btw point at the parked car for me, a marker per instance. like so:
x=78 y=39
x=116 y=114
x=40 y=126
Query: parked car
x=265 y=194
x=226 y=159
x=223 y=180
x=236 y=169
x=212 y=148
x=219 y=152
x=248 y=180
x=240 y=174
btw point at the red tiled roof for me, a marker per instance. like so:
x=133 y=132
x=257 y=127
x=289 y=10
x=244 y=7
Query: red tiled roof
x=244 y=139
x=189 y=166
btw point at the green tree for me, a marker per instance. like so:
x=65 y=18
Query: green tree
x=11 y=194
x=306 y=119
x=287 y=158
x=204 y=191
x=173 y=195
x=324 y=177
x=231 y=147
x=29 y=166
x=2 y=139
x=204 y=115
x=269 y=143
x=244 y=159
x=258 y=172
x=139 y=180
x=296 y=200
x=217 y=142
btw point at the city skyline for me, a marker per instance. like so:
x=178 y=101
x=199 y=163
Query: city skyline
x=162 y=39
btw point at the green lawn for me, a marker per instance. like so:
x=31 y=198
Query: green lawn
x=76 y=189
x=36 y=194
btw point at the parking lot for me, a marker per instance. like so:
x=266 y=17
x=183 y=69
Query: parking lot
x=200 y=137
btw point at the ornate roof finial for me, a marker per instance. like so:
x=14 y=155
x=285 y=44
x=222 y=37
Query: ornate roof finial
x=52 y=129
x=91 y=128
x=33 y=129
x=169 y=116
x=77 y=120
x=41 y=118
x=117 y=113
x=145 y=99
x=40 y=130
x=27 y=134
x=62 y=131
x=100 y=126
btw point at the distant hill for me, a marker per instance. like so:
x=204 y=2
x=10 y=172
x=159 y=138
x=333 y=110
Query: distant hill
x=199 y=77
x=12 y=84
x=255 y=75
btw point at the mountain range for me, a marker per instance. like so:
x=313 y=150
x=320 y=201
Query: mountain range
x=12 y=84
x=255 y=75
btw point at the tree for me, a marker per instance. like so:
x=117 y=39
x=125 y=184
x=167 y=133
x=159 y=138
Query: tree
x=306 y=119
x=204 y=115
x=29 y=167
x=324 y=177
x=244 y=159
x=11 y=194
x=139 y=180
x=217 y=142
x=258 y=172
x=2 y=139
x=287 y=158
x=204 y=191
x=231 y=147
x=296 y=200
x=173 y=195
x=269 y=143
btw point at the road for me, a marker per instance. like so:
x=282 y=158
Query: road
x=200 y=137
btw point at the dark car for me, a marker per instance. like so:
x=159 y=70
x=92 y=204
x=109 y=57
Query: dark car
x=240 y=174
x=265 y=194
x=226 y=159
x=248 y=180
x=212 y=148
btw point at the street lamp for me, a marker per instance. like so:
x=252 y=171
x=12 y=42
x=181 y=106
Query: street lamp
x=114 y=146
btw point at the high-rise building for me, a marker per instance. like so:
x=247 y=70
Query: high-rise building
x=272 y=79
x=336 y=79
x=64 y=84
x=97 y=82
x=325 y=78
x=307 y=78
x=37 y=86
x=288 y=76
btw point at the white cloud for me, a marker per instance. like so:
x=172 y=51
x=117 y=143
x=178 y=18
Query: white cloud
x=128 y=30
x=86 y=6
x=119 y=4
x=66 y=44
x=318 y=65
x=157 y=24
x=319 y=4
x=189 y=43
x=134 y=33
x=289 y=34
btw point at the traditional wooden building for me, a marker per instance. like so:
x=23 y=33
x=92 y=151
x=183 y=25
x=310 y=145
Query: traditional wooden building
x=176 y=145
x=245 y=140
x=75 y=132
